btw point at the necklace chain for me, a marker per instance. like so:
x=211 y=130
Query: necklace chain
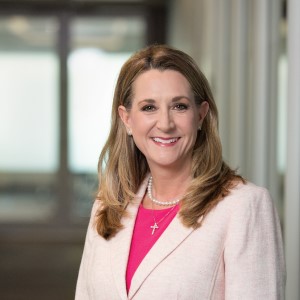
x=161 y=203
x=155 y=225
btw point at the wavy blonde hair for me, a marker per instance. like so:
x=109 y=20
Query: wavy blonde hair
x=122 y=167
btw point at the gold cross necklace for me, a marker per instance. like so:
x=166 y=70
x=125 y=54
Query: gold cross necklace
x=155 y=225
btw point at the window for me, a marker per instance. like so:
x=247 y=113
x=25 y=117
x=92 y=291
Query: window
x=58 y=71
x=29 y=118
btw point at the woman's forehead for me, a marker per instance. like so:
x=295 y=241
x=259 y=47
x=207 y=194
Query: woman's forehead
x=166 y=81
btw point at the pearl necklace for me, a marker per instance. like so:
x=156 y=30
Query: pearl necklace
x=161 y=203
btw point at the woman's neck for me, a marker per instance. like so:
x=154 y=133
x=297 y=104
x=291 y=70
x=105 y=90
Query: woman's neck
x=167 y=186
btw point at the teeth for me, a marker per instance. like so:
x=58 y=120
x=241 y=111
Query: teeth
x=165 y=141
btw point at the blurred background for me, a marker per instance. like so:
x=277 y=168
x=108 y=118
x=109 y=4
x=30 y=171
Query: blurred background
x=59 y=61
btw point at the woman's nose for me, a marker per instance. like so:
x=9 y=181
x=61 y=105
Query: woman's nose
x=165 y=121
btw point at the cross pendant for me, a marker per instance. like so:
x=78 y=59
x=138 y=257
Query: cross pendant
x=154 y=227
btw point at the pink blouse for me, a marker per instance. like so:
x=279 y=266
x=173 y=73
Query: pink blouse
x=145 y=235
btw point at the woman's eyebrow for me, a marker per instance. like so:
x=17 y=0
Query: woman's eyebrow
x=150 y=101
x=177 y=98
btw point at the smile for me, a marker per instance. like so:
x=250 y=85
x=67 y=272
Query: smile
x=165 y=141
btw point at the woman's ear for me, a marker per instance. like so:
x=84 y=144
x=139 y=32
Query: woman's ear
x=203 y=110
x=125 y=117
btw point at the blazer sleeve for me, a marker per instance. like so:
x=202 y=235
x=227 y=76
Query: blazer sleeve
x=82 y=291
x=253 y=253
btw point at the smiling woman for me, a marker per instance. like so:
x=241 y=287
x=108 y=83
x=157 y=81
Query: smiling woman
x=172 y=220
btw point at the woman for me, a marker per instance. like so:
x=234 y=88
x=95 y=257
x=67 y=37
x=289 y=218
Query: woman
x=172 y=220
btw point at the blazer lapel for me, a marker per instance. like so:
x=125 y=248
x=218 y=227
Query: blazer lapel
x=120 y=244
x=172 y=237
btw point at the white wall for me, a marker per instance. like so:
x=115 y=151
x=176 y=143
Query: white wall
x=292 y=182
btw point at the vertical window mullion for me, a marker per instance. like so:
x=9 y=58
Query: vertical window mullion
x=64 y=177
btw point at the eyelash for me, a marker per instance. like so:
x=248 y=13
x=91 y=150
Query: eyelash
x=178 y=106
x=148 y=108
x=181 y=106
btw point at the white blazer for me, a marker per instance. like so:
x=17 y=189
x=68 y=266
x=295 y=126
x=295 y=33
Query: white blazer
x=236 y=254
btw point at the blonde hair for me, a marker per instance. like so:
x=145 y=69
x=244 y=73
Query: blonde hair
x=122 y=167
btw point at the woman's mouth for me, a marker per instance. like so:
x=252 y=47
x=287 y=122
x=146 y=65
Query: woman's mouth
x=165 y=141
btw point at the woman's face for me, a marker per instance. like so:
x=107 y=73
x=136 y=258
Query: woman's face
x=164 y=118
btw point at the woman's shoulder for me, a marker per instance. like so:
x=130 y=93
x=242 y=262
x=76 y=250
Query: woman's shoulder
x=248 y=196
x=96 y=207
x=97 y=204
x=248 y=188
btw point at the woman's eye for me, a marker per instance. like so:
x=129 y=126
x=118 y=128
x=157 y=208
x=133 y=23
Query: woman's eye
x=148 y=108
x=181 y=106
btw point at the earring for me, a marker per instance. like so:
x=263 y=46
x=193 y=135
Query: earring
x=199 y=127
x=129 y=132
